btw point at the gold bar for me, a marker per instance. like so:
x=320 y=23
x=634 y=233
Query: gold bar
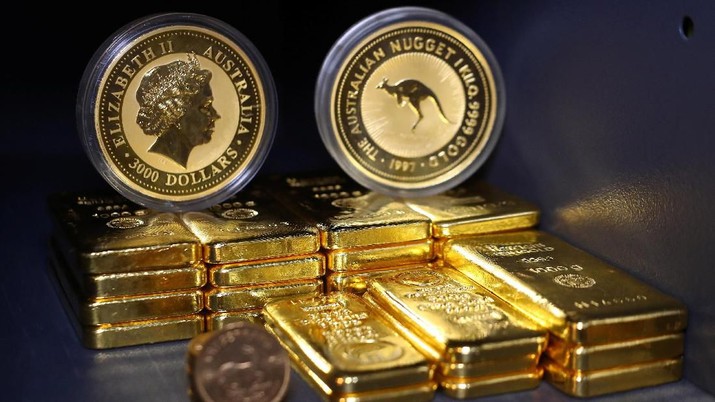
x=413 y=393
x=109 y=234
x=347 y=214
x=475 y=208
x=132 y=283
x=255 y=297
x=617 y=379
x=453 y=319
x=595 y=357
x=488 y=367
x=349 y=348
x=356 y=281
x=251 y=226
x=216 y=321
x=578 y=297
x=142 y=332
x=113 y=310
x=273 y=270
x=358 y=259
x=467 y=388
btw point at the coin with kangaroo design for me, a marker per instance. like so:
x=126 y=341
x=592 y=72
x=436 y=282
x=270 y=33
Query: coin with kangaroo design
x=410 y=102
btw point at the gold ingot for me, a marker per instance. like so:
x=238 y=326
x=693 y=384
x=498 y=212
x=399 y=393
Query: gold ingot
x=141 y=332
x=475 y=208
x=467 y=388
x=348 y=347
x=132 y=283
x=418 y=393
x=113 y=310
x=595 y=357
x=356 y=281
x=255 y=297
x=216 y=321
x=108 y=234
x=451 y=319
x=251 y=226
x=273 y=270
x=488 y=368
x=348 y=215
x=623 y=378
x=359 y=259
x=577 y=296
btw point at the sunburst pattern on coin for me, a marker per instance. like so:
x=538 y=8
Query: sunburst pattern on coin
x=181 y=111
x=411 y=102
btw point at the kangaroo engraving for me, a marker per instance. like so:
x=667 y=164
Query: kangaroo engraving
x=412 y=92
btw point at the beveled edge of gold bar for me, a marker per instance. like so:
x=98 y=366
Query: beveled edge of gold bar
x=488 y=367
x=107 y=336
x=595 y=357
x=254 y=297
x=415 y=393
x=361 y=258
x=272 y=270
x=486 y=225
x=606 y=381
x=116 y=310
x=372 y=235
x=145 y=282
x=216 y=321
x=467 y=388
x=259 y=248
x=140 y=259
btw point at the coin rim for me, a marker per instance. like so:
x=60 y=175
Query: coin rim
x=107 y=55
x=334 y=64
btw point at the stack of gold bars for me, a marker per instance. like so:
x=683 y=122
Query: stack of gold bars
x=362 y=233
x=256 y=251
x=456 y=291
x=610 y=332
x=128 y=275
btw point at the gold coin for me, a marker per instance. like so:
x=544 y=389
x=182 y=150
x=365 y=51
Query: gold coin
x=182 y=110
x=415 y=102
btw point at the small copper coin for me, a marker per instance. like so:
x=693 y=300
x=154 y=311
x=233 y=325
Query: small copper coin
x=242 y=362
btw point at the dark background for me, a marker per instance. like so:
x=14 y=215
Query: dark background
x=609 y=129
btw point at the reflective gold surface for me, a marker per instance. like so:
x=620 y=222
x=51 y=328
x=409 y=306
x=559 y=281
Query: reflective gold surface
x=142 y=332
x=180 y=112
x=130 y=283
x=348 y=347
x=475 y=207
x=108 y=234
x=273 y=270
x=595 y=357
x=415 y=393
x=403 y=112
x=578 y=297
x=466 y=388
x=251 y=226
x=112 y=310
x=216 y=321
x=358 y=259
x=622 y=378
x=255 y=297
x=454 y=319
x=348 y=215
x=145 y=282
x=356 y=281
x=488 y=367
